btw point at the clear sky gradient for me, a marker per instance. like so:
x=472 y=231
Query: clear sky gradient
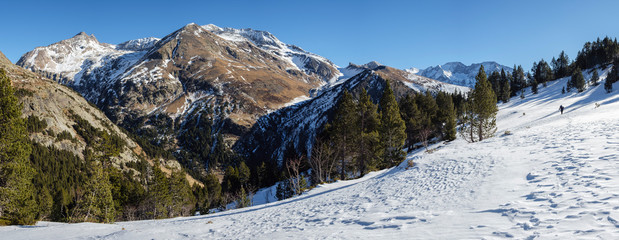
x=401 y=34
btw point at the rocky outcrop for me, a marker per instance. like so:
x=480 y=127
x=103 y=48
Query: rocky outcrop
x=58 y=106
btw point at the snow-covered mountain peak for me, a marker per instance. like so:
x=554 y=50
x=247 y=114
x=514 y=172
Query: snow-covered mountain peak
x=304 y=61
x=63 y=60
x=82 y=39
x=191 y=24
x=460 y=74
x=258 y=37
x=83 y=35
x=452 y=65
x=138 y=44
x=371 y=65
x=212 y=27
x=413 y=70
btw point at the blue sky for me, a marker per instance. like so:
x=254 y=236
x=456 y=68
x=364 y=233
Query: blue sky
x=401 y=34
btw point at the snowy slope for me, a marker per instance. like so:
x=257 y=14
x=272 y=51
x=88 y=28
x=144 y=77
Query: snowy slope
x=83 y=56
x=304 y=61
x=458 y=73
x=554 y=177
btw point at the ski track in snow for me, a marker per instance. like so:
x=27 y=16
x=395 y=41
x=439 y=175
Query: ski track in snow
x=555 y=176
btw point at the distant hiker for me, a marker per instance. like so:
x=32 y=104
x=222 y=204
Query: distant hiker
x=561 y=108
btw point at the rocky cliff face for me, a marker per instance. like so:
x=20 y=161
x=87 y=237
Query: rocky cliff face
x=58 y=106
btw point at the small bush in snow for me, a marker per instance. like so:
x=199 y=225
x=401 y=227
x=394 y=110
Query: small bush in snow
x=410 y=163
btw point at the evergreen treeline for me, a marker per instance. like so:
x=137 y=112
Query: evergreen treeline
x=613 y=76
x=595 y=54
x=17 y=193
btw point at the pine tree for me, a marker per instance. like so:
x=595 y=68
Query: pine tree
x=560 y=65
x=17 y=200
x=594 y=77
x=542 y=72
x=411 y=116
x=519 y=81
x=428 y=123
x=392 y=129
x=181 y=197
x=612 y=77
x=159 y=194
x=244 y=174
x=547 y=74
x=480 y=120
x=368 y=122
x=244 y=199
x=221 y=153
x=534 y=86
x=46 y=202
x=232 y=180
x=578 y=81
x=505 y=86
x=495 y=81
x=446 y=116
x=96 y=204
x=450 y=128
x=345 y=132
x=211 y=183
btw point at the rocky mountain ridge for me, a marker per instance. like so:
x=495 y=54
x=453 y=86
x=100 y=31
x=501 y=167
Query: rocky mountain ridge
x=305 y=61
x=135 y=77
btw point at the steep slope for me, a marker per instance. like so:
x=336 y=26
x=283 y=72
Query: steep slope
x=83 y=60
x=298 y=125
x=60 y=107
x=153 y=87
x=251 y=70
x=457 y=73
x=554 y=176
x=193 y=67
x=307 y=62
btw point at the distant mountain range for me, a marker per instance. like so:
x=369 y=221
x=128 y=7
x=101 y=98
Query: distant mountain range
x=457 y=73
